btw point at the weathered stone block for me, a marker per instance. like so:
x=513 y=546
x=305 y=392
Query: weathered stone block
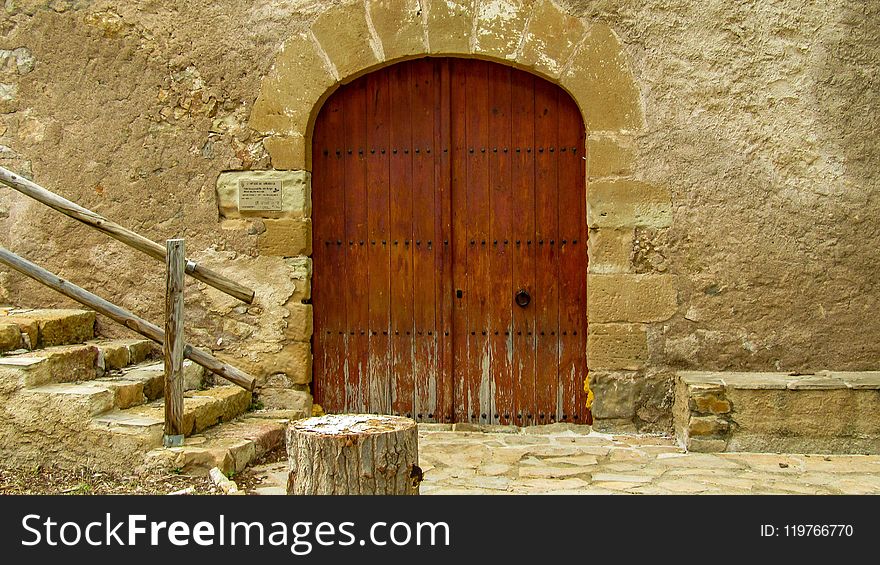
x=71 y=402
x=127 y=393
x=62 y=364
x=206 y=408
x=610 y=250
x=288 y=152
x=766 y=416
x=50 y=327
x=617 y=346
x=709 y=403
x=706 y=445
x=294 y=360
x=500 y=25
x=286 y=399
x=628 y=203
x=707 y=426
x=288 y=94
x=398 y=23
x=631 y=298
x=114 y=355
x=299 y=322
x=296 y=200
x=654 y=414
x=140 y=350
x=29 y=331
x=450 y=26
x=344 y=35
x=302 y=291
x=10 y=337
x=61 y=327
x=192 y=460
x=286 y=238
x=550 y=39
x=616 y=394
x=602 y=83
x=266 y=434
x=194 y=376
x=609 y=156
x=278 y=380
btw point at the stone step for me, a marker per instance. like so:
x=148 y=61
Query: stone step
x=73 y=363
x=201 y=409
x=45 y=327
x=59 y=400
x=118 y=354
x=230 y=446
x=823 y=412
x=56 y=364
x=143 y=383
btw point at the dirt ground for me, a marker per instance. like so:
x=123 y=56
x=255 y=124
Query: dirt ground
x=53 y=480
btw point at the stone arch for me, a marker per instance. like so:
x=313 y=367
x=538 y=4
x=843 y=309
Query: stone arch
x=585 y=58
x=354 y=38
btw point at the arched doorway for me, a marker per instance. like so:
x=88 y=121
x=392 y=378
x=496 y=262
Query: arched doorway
x=450 y=246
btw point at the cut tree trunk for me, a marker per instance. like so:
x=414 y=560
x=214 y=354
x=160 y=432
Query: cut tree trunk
x=353 y=454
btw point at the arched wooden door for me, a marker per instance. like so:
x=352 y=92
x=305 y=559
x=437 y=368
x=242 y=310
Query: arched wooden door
x=450 y=246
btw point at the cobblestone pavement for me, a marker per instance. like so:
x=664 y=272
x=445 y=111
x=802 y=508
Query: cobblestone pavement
x=561 y=459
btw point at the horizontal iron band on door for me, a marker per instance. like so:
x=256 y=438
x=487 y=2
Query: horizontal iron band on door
x=435 y=332
x=430 y=242
x=418 y=150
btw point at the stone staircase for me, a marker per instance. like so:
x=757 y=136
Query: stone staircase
x=821 y=412
x=68 y=398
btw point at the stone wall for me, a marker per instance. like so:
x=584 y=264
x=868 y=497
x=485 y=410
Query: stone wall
x=732 y=163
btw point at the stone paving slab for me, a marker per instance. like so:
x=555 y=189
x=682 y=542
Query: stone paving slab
x=576 y=462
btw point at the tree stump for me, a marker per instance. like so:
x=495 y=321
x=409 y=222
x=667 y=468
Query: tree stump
x=353 y=454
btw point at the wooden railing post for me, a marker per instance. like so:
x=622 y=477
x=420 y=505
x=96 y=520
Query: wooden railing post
x=174 y=343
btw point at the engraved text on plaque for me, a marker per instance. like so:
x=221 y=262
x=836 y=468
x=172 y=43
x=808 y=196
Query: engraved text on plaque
x=263 y=194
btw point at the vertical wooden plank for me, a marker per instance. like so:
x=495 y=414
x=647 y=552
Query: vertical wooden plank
x=501 y=292
x=400 y=241
x=175 y=268
x=357 y=283
x=424 y=271
x=523 y=190
x=329 y=276
x=378 y=210
x=479 y=376
x=572 y=260
x=546 y=267
x=459 y=242
x=443 y=248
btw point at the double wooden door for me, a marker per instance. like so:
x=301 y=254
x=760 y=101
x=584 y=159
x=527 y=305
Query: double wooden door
x=450 y=246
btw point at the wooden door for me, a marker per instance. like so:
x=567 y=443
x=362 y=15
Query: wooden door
x=450 y=246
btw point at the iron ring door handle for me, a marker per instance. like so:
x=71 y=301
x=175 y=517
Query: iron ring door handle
x=522 y=298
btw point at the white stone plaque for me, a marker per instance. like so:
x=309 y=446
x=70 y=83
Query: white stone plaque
x=263 y=194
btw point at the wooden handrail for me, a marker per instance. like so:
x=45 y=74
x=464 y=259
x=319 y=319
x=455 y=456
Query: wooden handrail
x=123 y=317
x=126 y=236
